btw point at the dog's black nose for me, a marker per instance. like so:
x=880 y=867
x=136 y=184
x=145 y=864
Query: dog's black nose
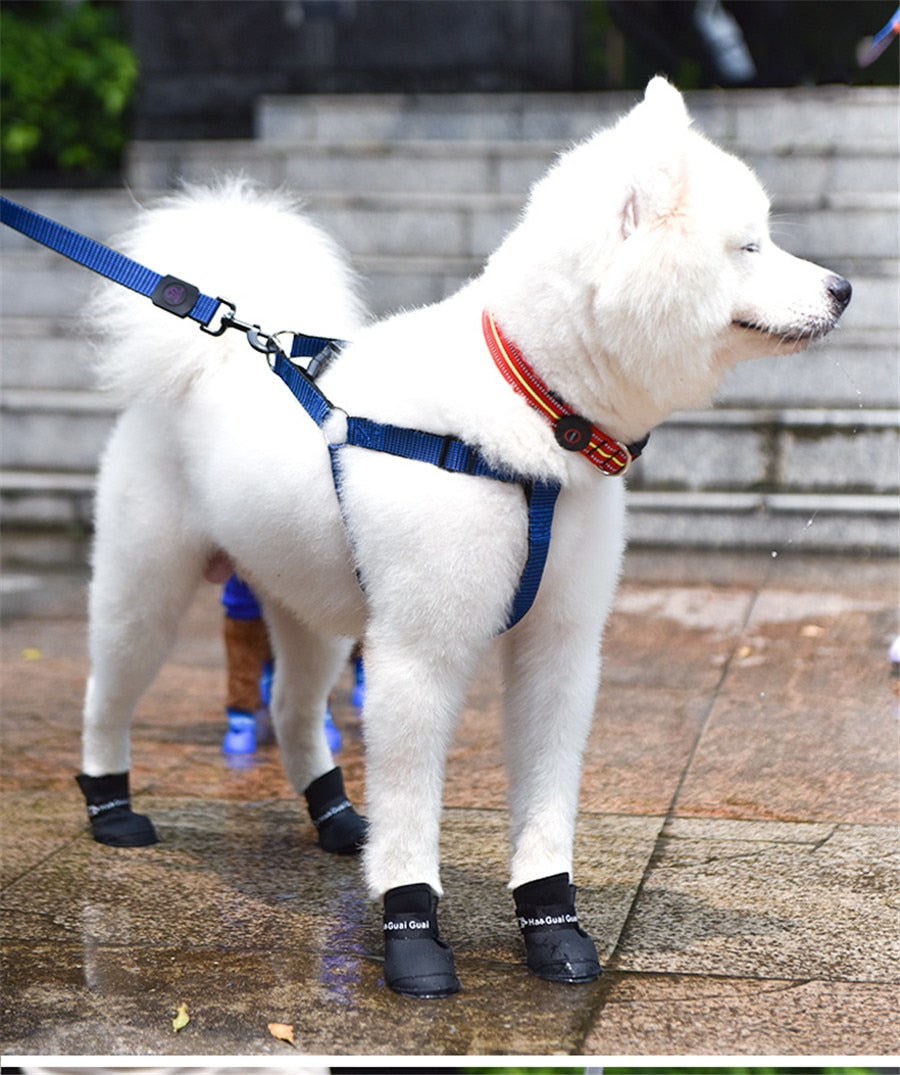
x=840 y=290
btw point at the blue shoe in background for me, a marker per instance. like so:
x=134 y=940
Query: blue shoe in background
x=240 y=738
x=331 y=732
x=358 y=695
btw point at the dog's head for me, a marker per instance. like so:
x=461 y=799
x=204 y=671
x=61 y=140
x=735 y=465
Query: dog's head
x=706 y=215
x=656 y=244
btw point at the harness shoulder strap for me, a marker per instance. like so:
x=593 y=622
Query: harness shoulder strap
x=541 y=503
x=445 y=452
x=307 y=392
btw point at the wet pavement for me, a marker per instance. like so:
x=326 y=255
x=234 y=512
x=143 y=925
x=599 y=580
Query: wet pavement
x=736 y=853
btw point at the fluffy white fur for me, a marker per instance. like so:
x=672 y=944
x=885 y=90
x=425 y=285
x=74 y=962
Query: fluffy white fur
x=640 y=270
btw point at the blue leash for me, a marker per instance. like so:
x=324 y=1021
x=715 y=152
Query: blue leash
x=176 y=296
x=183 y=299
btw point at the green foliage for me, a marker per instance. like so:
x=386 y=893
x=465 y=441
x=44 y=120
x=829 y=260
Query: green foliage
x=66 y=78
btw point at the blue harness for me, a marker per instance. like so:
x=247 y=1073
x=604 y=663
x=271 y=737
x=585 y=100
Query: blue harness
x=183 y=299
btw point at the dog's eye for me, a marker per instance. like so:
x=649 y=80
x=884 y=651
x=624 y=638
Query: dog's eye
x=750 y=248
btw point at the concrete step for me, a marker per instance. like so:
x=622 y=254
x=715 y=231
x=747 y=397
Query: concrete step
x=777 y=522
x=804 y=178
x=472 y=225
x=777 y=451
x=46 y=289
x=50 y=430
x=774 y=522
x=46 y=352
x=435 y=242
x=725 y=449
x=784 y=121
x=853 y=369
x=421 y=189
x=46 y=500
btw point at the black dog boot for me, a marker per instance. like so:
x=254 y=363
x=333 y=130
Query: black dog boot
x=112 y=820
x=558 y=948
x=417 y=963
x=341 y=830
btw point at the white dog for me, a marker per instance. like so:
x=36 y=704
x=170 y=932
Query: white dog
x=640 y=270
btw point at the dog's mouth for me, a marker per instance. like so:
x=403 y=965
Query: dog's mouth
x=785 y=335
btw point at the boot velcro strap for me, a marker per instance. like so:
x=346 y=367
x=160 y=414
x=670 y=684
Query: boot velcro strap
x=338 y=806
x=101 y=808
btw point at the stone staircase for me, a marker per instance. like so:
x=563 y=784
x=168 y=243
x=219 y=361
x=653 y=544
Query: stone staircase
x=798 y=452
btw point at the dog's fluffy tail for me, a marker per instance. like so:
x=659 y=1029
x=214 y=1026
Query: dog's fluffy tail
x=232 y=241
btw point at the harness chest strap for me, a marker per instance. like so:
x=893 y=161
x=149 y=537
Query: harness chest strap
x=445 y=452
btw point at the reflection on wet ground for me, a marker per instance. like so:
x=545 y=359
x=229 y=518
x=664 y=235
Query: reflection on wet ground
x=736 y=849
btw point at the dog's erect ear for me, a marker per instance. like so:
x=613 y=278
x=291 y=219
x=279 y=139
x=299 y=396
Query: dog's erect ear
x=666 y=101
x=656 y=149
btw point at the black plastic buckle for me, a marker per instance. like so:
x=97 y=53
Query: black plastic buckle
x=635 y=449
x=175 y=295
x=321 y=361
x=464 y=465
x=573 y=432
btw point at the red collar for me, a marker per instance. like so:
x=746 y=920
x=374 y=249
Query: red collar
x=572 y=431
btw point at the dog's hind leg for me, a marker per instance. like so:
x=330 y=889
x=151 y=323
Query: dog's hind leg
x=146 y=569
x=307 y=665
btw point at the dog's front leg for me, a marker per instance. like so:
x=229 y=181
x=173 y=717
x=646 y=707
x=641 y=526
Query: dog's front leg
x=547 y=717
x=440 y=556
x=413 y=697
x=552 y=667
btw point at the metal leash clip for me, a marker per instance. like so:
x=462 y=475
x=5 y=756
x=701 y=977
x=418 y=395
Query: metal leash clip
x=263 y=342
